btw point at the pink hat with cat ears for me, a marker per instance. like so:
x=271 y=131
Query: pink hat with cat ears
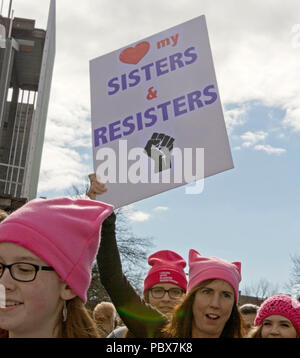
x=206 y=268
x=63 y=232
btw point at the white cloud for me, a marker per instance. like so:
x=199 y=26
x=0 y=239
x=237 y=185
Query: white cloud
x=235 y=117
x=292 y=119
x=161 y=208
x=269 y=149
x=138 y=216
x=251 y=138
x=61 y=168
x=135 y=215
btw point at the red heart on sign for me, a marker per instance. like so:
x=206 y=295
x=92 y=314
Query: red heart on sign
x=133 y=55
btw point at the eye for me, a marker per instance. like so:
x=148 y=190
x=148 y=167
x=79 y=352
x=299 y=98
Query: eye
x=157 y=290
x=24 y=268
x=206 y=291
x=227 y=295
x=266 y=324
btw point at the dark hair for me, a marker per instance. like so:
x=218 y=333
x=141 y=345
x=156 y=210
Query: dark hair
x=249 y=308
x=181 y=324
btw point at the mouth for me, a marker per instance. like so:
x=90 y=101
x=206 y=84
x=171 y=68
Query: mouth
x=212 y=317
x=166 y=309
x=10 y=305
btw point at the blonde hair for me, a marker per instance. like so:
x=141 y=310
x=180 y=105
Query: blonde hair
x=105 y=316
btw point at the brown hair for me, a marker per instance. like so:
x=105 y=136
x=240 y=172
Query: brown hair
x=255 y=332
x=79 y=323
x=181 y=324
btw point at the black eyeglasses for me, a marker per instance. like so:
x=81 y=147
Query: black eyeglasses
x=159 y=292
x=23 y=271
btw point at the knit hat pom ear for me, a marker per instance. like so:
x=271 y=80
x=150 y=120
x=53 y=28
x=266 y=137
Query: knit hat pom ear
x=238 y=266
x=194 y=256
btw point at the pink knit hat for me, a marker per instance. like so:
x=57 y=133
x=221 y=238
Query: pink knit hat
x=281 y=305
x=206 y=268
x=167 y=267
x=62 y=232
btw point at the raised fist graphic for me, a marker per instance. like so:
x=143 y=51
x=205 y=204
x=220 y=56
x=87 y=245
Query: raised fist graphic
x=159 y=148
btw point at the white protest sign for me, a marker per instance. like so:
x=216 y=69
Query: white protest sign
x=157 y=119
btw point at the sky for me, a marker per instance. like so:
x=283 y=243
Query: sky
x=249 y=213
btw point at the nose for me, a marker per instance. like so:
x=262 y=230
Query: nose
x=166 y=296
x=6 y=280
x=274 y=331
x=215 y=300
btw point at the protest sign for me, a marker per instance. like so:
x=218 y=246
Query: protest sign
x=157 y=119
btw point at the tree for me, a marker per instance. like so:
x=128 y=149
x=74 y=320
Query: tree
x=262 y=289
x=293 y=286
x=134 y=252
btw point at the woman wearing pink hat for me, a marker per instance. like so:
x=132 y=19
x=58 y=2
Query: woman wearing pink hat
x=277 y=317
x=47 y=248
x=208 y=310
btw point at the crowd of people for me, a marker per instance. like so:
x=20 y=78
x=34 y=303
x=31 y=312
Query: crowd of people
x=47 y=249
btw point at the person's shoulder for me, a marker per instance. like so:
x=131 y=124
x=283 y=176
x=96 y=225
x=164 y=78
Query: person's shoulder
x=118 y=332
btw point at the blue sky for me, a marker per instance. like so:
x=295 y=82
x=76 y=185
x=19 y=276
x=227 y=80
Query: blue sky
x=249 y=213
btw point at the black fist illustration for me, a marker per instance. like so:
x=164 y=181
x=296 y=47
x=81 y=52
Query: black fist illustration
x=159 y=148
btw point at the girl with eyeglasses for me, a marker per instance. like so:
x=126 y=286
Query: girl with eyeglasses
x=47 y=248
x=164 y=285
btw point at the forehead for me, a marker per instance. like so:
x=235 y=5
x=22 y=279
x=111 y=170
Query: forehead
x=10 y=252
x=277 y=318
x=220 y=285
x=165 y=285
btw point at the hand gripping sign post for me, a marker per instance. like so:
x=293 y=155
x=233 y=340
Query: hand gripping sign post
x=157 y=119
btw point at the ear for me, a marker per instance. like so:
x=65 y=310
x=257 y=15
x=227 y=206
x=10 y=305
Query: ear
x=66 y=293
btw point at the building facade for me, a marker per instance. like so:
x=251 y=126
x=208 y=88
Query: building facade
x=26 y=65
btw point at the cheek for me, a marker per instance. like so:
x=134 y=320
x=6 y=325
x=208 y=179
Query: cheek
x=265 y=331
x=291 y=333
x=153 y=301
x=228 y=309
x=40 y=295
